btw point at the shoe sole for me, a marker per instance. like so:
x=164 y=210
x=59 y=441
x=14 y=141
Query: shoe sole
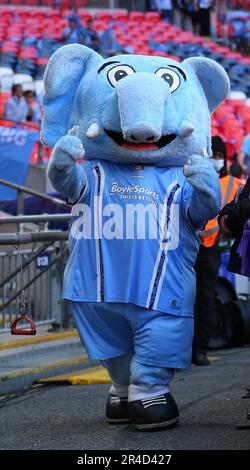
x=154 y=426
x=118 y=421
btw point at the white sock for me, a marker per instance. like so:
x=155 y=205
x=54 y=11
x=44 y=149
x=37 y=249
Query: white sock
x=140 y=393
x=120 y=391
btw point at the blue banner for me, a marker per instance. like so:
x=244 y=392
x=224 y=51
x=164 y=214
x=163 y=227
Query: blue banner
x=16 y=146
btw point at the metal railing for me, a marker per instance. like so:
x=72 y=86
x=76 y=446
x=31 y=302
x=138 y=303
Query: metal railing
x=41 y=267
x=43 y=218
x=21 y=190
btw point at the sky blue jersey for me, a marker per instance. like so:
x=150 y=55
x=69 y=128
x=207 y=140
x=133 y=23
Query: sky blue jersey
x=131 y=240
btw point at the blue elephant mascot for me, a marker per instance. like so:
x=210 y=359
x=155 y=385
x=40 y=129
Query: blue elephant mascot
x=131 y=145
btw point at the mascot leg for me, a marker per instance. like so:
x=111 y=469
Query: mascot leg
x=107 y=337
x=117 y=404
x=162 y=343
x=140 y=348
x=147 y=401
x=151 y=404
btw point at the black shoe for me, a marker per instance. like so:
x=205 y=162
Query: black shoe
x=199 y=358
x=117 y=410
x=150 y=414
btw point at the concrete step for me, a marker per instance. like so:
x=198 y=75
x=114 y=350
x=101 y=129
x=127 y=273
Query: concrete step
x=28 y=359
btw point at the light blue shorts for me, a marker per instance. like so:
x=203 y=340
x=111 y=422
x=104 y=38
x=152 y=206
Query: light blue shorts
x=109 y=330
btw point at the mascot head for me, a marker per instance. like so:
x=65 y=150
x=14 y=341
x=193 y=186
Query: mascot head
x=132 y=108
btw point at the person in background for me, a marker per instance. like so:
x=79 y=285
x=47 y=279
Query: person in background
x=57 y=5
x=205 y=7
x=90 y=37
x=33 y=108
x=165 y=9
x=15 y=107
x=193 y=11
x=208 y=260
x=243 y=158
x=109 y=45
x=235 y=170
x=73 y=33
x=232 y=219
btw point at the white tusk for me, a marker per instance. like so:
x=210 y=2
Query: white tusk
x=74 y=131
x=186 y=129
x=93 y=131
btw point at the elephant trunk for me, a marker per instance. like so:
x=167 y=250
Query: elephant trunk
x=141 y=101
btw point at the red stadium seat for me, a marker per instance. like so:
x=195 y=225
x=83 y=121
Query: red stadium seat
x=17 y=2
x=42 y=61
x=152 y=16
x=120 y=16
x=65 y=4
x=3 y=98
x=100 y=25
x=54 y=15
x=48 y=3
x=233 y=55
x=32 y=2
x=6 y=14
x=7 y=123
x=37 y=15
x=137 y=16
x=104 y=16
x=245 y=60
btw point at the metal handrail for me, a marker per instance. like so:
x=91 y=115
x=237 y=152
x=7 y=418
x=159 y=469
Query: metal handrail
x=32 y=192
x=33 y=237
x=19 y=219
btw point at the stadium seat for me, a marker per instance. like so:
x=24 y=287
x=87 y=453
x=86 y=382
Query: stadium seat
x=85 y=15
x=153 y=17
x=120 y=16
x=23 y=79
x=237 y=95
x=17 y=2
x=5 y=71
x=137 y=16
x=3 y=98
x=6 y=83
x=6 y=14
x=32 y=2
x=104 y=16
x=39 y=88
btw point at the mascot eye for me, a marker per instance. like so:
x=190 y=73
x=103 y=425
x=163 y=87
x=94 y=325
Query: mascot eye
x=118 y=73
x=170 y=76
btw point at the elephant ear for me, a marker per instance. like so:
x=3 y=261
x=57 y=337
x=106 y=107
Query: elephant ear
x=63 y=74
x=212 y=77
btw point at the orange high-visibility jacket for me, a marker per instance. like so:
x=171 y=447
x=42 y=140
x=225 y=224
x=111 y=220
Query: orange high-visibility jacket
x=229 y=187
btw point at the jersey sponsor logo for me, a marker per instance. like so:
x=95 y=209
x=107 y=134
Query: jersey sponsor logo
x=134 y=191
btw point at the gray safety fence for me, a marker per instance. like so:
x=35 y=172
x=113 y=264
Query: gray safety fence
x=41 y=279
x=32 y=266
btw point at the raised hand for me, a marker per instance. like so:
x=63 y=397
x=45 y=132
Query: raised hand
x=205 y=201
x=68 y=150
x=65 y=175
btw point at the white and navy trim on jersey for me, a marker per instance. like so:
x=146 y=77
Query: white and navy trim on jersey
x=99 y=188
x=162 y=258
